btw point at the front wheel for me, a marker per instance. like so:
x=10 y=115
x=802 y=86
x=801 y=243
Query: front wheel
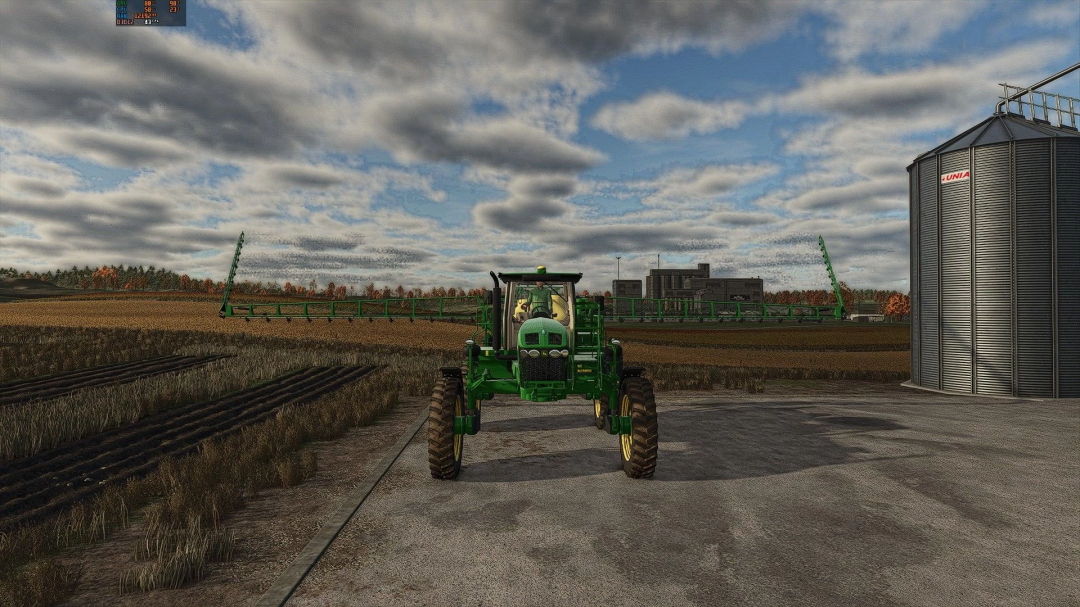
x=638 y=449
x=445 y=447
x=601 y=414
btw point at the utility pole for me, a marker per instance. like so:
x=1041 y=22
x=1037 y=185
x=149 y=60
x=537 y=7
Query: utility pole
x=657 y=261
x=617 y=258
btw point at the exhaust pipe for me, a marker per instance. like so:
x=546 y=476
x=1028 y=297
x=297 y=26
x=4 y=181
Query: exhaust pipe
x=496 y=314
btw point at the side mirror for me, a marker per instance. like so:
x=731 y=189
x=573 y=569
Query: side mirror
x=488 y=297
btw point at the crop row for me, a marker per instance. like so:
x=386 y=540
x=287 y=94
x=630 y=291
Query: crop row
x=25 y=391
x=42 y=485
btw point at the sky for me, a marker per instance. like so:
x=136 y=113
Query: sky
x=427 y=143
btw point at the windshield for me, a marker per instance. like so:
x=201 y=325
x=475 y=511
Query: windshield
x=533 y=300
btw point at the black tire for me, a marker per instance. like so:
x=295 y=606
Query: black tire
x=637 y=450
x=444 y=447
x=601 y=414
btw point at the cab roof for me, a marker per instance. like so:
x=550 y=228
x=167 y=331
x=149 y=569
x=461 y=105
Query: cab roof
x=537 y=277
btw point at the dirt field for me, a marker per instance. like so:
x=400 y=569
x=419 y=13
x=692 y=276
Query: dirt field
x=197 y=316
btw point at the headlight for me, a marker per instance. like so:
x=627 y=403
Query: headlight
x=554 y=353
x=615 y=342
x=566 y=352
x=534 y=353
x=469 y=342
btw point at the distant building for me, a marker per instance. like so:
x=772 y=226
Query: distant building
x=673 y=283
x=866 y=307
x=625 y=289
x=750 y=290
x=867 y=311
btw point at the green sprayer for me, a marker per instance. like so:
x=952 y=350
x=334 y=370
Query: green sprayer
x=534 y=338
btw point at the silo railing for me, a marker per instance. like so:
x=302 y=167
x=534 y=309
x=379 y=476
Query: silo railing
x=1056 y=110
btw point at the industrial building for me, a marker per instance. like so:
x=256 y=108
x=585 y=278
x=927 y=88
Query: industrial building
x=673 y=283
x=866 y=311
x=995 y=255
x=624 y=290
x=695 y=283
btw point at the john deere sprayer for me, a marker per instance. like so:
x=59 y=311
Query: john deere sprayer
x=534 y=338
x=543 y=343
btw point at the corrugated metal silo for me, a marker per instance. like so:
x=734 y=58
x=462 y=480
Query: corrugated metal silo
x=995 y=260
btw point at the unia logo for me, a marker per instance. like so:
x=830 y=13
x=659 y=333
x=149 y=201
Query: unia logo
x=956 y=176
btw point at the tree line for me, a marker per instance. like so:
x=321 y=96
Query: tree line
x=131 y=278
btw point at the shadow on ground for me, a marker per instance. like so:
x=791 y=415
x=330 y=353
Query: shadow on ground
x=697 y=442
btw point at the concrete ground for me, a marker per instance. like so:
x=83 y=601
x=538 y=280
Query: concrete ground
x=899 y=498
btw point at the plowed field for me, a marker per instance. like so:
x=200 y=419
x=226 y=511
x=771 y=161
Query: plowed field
x=762 y=347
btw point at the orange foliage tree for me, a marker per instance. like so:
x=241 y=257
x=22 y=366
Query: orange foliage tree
x=898 y=306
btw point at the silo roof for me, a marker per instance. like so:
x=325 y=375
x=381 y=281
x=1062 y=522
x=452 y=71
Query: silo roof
x=999 y=128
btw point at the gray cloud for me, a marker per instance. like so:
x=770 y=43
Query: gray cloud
x=551 y=186
x=891 y=28
x=36 y=187
x=113 y=149
x=576 y=242
x=304 y=177
x=518 y=215
x=67 y=65
x=665 y=115
x=740 y=219
x=877 y=195
x=533 y=200
x=286 y=263
x=345 y=242
x=360 y=35
x=372 y=36
x=596 y=31
x=117 y=227
x=430 y=127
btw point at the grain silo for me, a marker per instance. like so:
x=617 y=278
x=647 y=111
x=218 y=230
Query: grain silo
x=995 y=254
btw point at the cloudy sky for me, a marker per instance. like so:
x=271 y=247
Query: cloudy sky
x=426 y=143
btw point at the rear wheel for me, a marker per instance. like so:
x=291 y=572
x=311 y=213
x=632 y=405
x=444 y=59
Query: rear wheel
x=445 y=447
x=638 y=449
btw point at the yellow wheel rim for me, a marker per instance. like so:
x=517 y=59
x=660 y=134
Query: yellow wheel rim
x=458 y=438
x=627 y=440
x=596 y=403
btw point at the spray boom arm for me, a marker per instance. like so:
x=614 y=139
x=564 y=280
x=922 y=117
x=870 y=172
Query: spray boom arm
x=840 y=310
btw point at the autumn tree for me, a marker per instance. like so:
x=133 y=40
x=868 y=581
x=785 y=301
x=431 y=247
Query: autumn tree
x=898 y=306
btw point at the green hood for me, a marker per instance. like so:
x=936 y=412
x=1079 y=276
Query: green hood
x=546 y=328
